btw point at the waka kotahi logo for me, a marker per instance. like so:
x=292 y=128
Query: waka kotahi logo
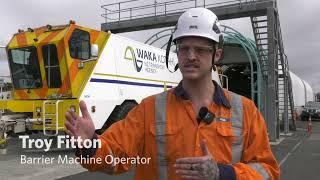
x=151 y=60
x=130 y=55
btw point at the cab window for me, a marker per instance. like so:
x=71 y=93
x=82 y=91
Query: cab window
x=24 y=66
x=79 y=45
x=51 y=65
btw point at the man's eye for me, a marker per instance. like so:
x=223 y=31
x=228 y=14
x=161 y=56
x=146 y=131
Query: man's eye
x=202 y=49
x=184 y=48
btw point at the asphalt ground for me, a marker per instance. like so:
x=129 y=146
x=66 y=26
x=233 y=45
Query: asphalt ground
x=298 y=155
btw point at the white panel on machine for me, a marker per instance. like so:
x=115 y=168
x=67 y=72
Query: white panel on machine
x=127 y=70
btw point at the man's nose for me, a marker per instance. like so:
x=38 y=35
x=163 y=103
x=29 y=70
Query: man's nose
x=191 y=54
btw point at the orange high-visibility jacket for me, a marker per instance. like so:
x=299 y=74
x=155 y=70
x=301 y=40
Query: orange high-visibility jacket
x=164 y=127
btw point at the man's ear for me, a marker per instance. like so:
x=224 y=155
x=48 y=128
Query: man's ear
x=218 y=56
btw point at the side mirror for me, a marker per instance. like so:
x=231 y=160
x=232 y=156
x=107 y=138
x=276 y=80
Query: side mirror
x=94 y=50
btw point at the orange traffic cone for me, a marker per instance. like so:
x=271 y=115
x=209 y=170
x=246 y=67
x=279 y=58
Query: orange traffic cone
x=309 y=128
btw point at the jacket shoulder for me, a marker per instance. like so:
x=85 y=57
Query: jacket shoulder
x=245 y=101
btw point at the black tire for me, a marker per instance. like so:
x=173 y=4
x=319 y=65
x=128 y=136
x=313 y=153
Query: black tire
x=119 y=113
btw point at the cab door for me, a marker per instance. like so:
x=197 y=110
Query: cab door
x=51 y=66
x=79 y=61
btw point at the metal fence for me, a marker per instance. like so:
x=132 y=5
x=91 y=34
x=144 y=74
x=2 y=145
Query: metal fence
x=132 y=9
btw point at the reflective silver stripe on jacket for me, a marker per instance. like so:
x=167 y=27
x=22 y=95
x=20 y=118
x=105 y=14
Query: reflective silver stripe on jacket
x=160 y=119
x=260 y=169
x=237 y=120
x=161 y=123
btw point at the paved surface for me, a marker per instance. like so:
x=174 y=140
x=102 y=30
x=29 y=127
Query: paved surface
x=298 y=156
x=303 y=159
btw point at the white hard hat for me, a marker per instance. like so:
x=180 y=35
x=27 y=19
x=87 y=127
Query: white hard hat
x=199 y=22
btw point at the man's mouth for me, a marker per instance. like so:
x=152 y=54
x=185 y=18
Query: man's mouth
x=191 y=66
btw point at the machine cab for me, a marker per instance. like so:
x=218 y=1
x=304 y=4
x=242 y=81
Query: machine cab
x=52 y=62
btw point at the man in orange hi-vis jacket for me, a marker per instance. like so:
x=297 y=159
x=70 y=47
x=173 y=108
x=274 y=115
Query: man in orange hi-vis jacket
x=194 y=131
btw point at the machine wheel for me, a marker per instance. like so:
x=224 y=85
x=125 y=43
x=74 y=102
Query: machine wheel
x=119 y=113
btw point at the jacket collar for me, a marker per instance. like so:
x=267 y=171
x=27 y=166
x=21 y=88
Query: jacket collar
x=218 y=97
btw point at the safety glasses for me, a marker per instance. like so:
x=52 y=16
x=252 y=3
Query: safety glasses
x=199 y=50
